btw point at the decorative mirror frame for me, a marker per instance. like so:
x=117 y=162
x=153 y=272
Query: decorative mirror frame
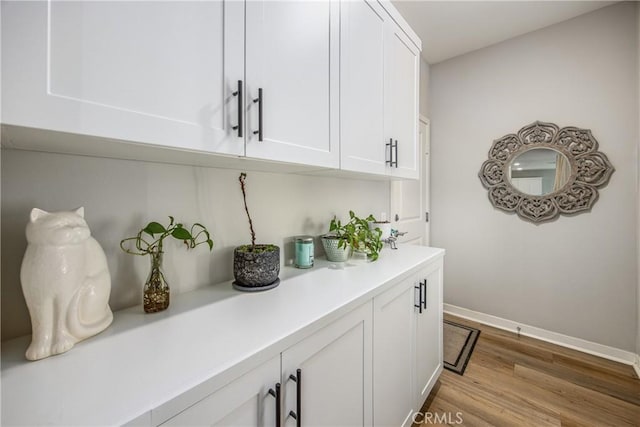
x=590 y=170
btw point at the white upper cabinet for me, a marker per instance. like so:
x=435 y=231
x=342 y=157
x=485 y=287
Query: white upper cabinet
x=362 y=87
x=292 y=59
x=402 y=78
x=379 y=80
x=153 y=72
x=324 y=84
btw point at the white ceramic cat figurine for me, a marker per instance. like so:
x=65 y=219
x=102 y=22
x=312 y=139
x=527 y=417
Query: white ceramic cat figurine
x=65 y=281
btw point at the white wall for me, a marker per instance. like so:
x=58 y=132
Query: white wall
x=424 y=88
x=577 y=275
x=121 y=196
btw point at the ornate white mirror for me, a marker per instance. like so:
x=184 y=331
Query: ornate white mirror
x=544 y=171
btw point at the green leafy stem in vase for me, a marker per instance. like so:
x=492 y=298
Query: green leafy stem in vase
x=141 y=244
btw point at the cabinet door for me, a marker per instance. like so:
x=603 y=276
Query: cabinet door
x=153 y=72
x=362 y=142
x=429 y=337
x=335 y=372
x=292 y=54
x=402 y=74
x=393 y=349
x=243 y=402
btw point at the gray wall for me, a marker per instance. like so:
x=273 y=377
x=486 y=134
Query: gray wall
x=121 y=196
x=638 y=186
x=577 y=275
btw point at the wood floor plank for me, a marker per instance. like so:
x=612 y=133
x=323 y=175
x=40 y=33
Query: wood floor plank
x=611 y=383
x=598 y=405
x=514 y=380
x=499 y=407
x=528 y=394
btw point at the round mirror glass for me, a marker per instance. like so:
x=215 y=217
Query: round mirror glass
x=539 y=171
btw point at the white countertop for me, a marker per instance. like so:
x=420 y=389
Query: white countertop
x=213 y=334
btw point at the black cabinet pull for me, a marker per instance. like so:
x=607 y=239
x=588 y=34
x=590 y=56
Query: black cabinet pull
x=297 y=415
x=419 y=305
x=424 y=294
x=392 y=147
x=278 y=395
x=396 y=161
x=259 y=100
x=238 y=93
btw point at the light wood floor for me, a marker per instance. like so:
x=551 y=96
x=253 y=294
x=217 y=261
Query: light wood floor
x=520 y=381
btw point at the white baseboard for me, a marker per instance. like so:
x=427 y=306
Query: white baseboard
x=579 y=344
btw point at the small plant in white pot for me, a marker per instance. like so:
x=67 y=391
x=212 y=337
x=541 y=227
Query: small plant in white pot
x=354 y=235
x=255 y=266
x=335 y=243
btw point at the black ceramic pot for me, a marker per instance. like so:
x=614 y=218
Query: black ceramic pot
x=258 y=268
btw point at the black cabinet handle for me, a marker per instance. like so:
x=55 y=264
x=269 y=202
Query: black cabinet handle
x=392 y=147
x=259 y=100
x=419 y=305
x=238 y=93
x=424 y=294
x=396 y=161
x=297 y=415
x=278 y=395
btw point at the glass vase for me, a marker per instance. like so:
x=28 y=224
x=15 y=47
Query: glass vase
x=156 y=289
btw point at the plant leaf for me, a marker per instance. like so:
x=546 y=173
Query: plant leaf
x=154 y=228
x=181 y=234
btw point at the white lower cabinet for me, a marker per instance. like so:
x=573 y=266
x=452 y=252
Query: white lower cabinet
x=393 y=347
x=250 y=400
x=428 y=344
x=325 y=381
x=334 y=374
x=407 y=324
x=374 y=366
x=359 y=346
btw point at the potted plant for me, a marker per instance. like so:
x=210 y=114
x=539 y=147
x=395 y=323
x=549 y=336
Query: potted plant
x=336 y=242
x=355 y=235
x=255 y=266
x=156 y=289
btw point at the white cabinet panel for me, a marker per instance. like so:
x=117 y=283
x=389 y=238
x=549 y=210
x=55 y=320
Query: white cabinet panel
x=379 y=93
x=362 y=87
x=243 y=402
x=393 y=344
x=153 y=72
x=335 y=370
x=402 y=73
x=429 y=337
x=292 y=54
x=407 y=345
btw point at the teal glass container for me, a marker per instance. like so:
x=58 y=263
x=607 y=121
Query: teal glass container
x=304 y=252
